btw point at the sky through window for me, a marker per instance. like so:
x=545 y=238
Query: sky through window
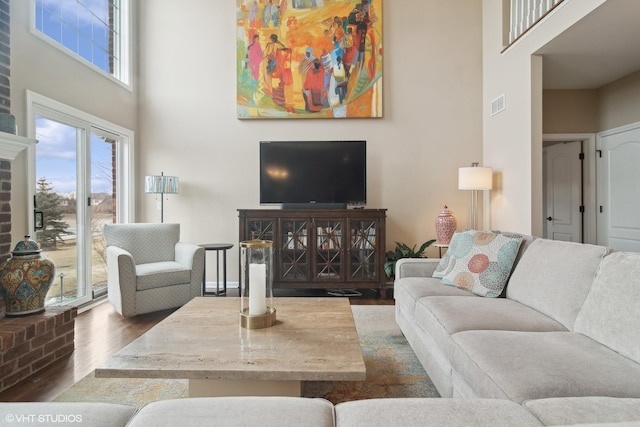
x=89 y=28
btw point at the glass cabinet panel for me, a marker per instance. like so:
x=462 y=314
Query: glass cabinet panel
x=294 y=250
x=261 y=229
x=363 y=250
x=329 y=249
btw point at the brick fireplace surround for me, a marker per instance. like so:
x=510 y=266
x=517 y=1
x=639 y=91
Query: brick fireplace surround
x=31 y=343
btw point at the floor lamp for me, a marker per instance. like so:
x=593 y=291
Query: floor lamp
x=161 y=184
x=475 y=178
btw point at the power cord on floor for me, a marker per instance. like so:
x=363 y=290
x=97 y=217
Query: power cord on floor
x=344 y=293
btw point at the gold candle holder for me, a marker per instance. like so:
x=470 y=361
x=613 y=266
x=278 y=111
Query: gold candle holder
x=256 y=284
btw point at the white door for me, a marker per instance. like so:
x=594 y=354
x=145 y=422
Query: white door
x=563 y=191
x=80 y=180
x=76 y=168
x=618 y=200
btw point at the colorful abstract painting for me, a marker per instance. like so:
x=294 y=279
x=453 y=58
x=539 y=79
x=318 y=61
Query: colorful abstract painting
x=309 y=59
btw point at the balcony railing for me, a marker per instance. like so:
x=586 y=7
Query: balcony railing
x=526 y=13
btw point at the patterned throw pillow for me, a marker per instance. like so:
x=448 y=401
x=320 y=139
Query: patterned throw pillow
x=447 y=261
x=481 y=261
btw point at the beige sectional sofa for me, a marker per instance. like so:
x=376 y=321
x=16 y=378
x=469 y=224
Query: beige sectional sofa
x=568 y=326
x=562 y=347
x=309 y=412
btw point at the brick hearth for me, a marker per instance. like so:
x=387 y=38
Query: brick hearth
x=29 y=344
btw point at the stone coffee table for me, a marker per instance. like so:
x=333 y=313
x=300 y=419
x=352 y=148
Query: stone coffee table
x=314 y=339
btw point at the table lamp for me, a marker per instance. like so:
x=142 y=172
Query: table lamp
x=475 y=178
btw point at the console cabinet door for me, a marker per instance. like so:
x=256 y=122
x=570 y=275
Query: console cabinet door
x=364 y=264
x=292 y=250
x=328 y=250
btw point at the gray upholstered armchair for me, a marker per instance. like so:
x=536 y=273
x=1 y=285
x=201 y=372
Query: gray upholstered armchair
x=149 y=269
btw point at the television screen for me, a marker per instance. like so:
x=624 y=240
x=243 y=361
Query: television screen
x=313 y=172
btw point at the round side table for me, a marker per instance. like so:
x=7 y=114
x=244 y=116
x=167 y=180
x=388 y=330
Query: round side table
x=218 y=247
x=440 y=247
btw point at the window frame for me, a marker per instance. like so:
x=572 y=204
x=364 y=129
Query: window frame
x=125 y=175
x=124 y=23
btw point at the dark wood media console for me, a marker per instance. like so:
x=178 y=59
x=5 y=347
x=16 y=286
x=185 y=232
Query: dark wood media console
x=321 y=248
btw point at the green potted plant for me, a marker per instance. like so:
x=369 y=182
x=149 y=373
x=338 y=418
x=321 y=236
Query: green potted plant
x=402 y=250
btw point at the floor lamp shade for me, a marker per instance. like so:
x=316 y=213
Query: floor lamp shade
x=475 y=178
x=161 y=184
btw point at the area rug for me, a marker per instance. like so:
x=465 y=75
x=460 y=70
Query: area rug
x=392 y=371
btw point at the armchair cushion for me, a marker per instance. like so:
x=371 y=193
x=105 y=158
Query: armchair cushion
x=158 y=274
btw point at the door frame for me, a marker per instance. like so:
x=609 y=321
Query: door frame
x=125 y=189
x=588 y=178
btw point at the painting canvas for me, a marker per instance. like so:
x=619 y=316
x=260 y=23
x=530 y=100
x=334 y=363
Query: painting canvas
x=309 y=59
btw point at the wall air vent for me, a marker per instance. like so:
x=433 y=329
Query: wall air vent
x=498 y=105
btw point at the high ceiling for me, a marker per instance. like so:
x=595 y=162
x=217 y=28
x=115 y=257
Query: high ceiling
x=601 y=48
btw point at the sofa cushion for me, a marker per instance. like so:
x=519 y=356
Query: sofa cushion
x=444 y=316
x=531 y=365
x=32 y=414
x=236 y=411
x=554 y=277
x=414 y=412
x=584 y=410
x=160 y=274
x=610 y=313
x=408 y=290
x=481 y=261
x=466 y=314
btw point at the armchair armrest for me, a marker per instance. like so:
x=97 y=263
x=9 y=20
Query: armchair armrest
x=416 y=267
x=192 y=257
x=121 y=279
x=185 y=253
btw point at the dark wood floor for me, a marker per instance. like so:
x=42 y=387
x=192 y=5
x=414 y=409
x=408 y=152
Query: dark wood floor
x=101 y=332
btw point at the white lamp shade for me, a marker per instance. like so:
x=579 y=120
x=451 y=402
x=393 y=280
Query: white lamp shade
x=475 y=178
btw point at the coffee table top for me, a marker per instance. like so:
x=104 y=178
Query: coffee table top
x=314 y=339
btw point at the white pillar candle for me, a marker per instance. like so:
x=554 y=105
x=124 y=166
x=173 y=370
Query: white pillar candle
x=257 y=289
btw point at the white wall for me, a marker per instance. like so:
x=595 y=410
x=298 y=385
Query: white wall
x=594 y=110
x=38 y=67
x=512 y=140
x=619 y=103
x=188 y=127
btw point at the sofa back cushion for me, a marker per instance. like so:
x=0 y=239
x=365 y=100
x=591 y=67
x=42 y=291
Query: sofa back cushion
x=610 y=313
x=145 y=242
x=554 y=277
x=481 y=261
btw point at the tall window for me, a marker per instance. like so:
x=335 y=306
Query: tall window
x=94 y=30
x=81 y=180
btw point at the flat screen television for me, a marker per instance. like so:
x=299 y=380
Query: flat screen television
x=314 y=174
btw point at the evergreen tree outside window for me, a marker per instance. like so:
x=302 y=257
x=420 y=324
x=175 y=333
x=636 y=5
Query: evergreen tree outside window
x=51 y=204
x=94 y=30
